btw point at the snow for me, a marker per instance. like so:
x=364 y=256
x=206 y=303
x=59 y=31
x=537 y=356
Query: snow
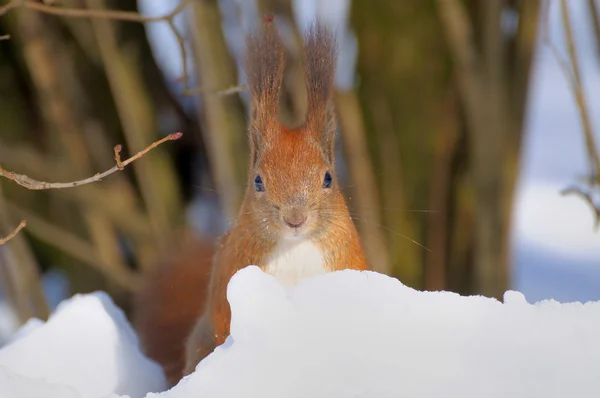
x=343 y=334
x=9 y=322
x=86 y=349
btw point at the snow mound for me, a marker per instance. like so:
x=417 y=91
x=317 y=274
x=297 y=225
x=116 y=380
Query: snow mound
x=363 y=334
x=86 y=349
x=340 y=335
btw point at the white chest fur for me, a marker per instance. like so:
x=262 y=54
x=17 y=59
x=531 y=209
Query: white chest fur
x=295 y=260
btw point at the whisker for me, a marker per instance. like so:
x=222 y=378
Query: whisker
x=399 y=234
x=393 y=209
x=203 y=188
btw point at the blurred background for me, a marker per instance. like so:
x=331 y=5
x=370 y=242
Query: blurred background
x=461 y=124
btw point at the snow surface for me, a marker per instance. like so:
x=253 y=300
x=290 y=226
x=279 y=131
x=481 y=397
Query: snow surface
x=86 y=349
x=343 y=334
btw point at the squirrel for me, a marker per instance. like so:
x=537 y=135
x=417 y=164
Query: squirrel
x=293 y=222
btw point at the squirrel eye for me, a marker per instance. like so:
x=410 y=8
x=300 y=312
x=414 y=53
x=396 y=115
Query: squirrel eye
x=258 y=184
x=328 y=180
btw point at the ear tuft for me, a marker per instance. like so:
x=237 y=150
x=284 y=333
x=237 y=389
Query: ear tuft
x=320 y=55
x=264 y=65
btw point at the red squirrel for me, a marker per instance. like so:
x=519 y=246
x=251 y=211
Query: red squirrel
x=293 y=222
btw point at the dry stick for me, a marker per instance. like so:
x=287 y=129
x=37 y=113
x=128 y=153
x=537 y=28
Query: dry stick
x=595 y=16
x=574 y=78
x=13 y=233
x=126 y=16
x=587 y=197
x=131 y=222
x=4 y=37
x=32 y=184
x=223 y=92
x=581 y=101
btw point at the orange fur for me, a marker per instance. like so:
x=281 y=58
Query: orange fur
x=168 y=305
x=291 y=163
x=294 y=204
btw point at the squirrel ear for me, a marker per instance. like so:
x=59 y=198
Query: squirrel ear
x=320 y=55
x=264 y=64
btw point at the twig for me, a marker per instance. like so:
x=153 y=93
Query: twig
x=587 y=197
x=125 y=16
x=128 y=16
x=32 y=184
x=595 y=16
x=4 y=37
x=227 y=91
x=574 y=78
x=130 y=219
x=13 y=233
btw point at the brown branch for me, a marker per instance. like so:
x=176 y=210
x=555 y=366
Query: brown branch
x=32 y=184
x=579 y=95
x=595 y=16
x=587 y=197
x=125 y=16
x=223 y=92
x=574 y=78
x=13 y=233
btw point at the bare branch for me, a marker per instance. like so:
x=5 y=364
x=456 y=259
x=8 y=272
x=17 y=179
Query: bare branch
x=125 y=16
x=579 y=95
x=595 y=16
x=223 y=92
x=13 y=233
x=32 y=184
x=587 y=197
x=573 y=76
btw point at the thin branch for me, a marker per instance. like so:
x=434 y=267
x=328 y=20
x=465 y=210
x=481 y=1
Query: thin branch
x=223 y=92
x=13 y=233
x=128 y=16
x=131 y=220
x=125 y=16
x=581 y=100
x=595 y=16
x=587 y=197
x=574 y=79
x=32 y=184
x=4 y=37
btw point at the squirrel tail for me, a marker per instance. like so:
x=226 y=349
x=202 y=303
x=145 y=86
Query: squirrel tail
x=169 y=303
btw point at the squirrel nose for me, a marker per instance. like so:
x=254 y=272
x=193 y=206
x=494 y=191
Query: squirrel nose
x=295 y=221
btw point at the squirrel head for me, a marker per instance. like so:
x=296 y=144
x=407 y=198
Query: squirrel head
x=292 y=186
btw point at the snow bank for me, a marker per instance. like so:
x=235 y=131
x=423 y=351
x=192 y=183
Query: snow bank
x=352 y=334
x=340 y=335
x=86 y=349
